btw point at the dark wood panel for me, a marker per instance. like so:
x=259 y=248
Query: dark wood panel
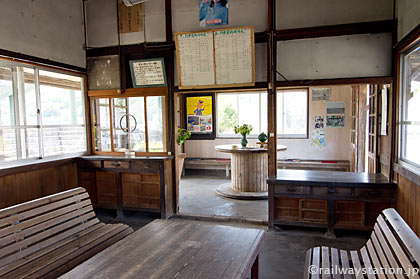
x=106 y=192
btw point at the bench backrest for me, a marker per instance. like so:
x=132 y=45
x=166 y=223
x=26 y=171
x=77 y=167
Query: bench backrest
x=32 y=229
x=392 y=244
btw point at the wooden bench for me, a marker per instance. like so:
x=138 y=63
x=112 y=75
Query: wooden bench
x=392 y=246
x=208 y=163
x=328 y=165
x=47 y=237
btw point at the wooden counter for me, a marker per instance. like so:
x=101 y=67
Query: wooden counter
x=131 y=183
x=330 y=199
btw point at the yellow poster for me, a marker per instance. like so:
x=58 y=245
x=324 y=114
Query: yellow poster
x=200 y=114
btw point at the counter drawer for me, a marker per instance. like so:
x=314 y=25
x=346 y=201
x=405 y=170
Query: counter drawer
x=148 y=166
x=116 y=164
x=289 y=189
x=89 y=164
x=333 y=191
x=374 y=193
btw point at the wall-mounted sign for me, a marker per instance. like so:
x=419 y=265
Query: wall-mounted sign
x=148 y=72
x=321 y=94
x=200 y=116
x=216 y=58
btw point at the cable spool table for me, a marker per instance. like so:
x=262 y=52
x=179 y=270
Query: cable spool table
x=249 y=167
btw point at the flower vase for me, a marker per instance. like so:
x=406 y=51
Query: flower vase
x=244 y=141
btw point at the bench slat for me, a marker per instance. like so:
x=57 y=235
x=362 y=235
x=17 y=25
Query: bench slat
x=335 y=262
x=23 y=234
x=316 y=261
x=49 y=249
x=39 y=219
x=388 y=253
x=402 y=257
x=356 y=263
x=345 y=263
x=375 y=261
x=61 y=256
x=325 y=262
x=46 y=242
x=18 y=217
x=39 y=202
x=308 y=262
x=384 y=262
x=407 y=236
x=367 y=264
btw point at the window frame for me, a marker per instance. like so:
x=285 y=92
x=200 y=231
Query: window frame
x=402 y=122
x=295 y=136
x=129 y=92
x=14 y=65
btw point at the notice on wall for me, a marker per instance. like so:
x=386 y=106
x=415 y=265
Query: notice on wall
x=319 y=122
x=195 y=59
x=213 y=13
x=318 y=138
x=130 y=18
x=234 y=56
x=334 y=121
x=321 y=94
x=216 y=58
x=148 y=72
x=336 y=108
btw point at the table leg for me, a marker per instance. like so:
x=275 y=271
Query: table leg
x=255 y=268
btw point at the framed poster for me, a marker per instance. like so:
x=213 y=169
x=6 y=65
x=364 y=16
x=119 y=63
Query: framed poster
x=200 y=115
x=148 y=72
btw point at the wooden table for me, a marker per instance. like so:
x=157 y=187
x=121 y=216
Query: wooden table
x=177 y=249
x=328 y=199
x=249 y=168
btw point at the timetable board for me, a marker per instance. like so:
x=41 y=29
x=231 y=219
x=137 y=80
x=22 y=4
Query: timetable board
x=216 y=58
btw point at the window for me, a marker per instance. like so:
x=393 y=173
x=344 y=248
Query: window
x=41 y=113
x=240 y=108
x=292 y=113
x=135 y=123
x=409 y=106
x=251 y=108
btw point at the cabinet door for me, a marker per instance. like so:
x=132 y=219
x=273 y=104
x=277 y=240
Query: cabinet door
x=87 y=180
x=141 y=190
x=105 y=187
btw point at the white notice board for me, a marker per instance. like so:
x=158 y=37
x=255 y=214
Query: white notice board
x=216 y=58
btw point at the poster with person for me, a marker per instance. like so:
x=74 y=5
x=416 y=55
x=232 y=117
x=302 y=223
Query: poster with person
x=200 y=114
x=213 y=12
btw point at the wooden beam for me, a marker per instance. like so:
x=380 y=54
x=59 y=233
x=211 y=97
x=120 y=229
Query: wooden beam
x=20 y=57
x=383 y=26
x=336 y=81
x=168 y=20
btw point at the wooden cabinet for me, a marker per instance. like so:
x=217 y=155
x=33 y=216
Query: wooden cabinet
x=129 y=184
x=333 y=200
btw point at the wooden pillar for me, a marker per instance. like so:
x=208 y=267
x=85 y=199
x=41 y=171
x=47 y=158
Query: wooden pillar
x=271 y=89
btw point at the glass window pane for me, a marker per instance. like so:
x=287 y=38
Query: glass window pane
x=292 y=109
x=137 y=127
x=119 y=114
x=411 y=103
x=30 y=97
x=63 y=140
x=29 y=143
x=155 y=124
x=249 y=112
x=61 y=99
x=6 y=97
x=227 y=113
x=8 y=150
x=101 y=125
x=264 y=113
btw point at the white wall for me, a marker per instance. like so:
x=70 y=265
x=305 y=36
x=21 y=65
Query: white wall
x=364 y=55
x=47 y=29
x=335 y=138
x=307 y=13
x=408 y=14
x=102 y=24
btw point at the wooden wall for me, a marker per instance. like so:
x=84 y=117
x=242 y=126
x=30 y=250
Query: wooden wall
x=27 y=184
x=408 y=201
